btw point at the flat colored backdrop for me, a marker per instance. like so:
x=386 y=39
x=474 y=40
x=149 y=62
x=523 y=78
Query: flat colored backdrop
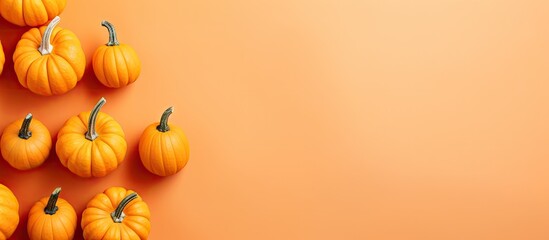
x=386 y=120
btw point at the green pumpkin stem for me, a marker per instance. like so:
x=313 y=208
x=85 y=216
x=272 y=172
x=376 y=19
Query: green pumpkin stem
x=113 y=41
x=163 y=126
x=24 y=132
x=51 y=208
x=91 y=134
x=118 y=214
x=45 y=46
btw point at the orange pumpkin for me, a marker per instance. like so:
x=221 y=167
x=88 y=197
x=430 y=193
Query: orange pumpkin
x=49 y=68
x=26 y=144
x=91 y=143
x=9 y=212
x=116 y=214
x=163 y=148
x=2 y=58
x=52 y=218
x=31 y=13
x=115 y=64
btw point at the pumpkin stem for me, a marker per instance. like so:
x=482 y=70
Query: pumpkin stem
x=163 y=126
x=91 y=134
x=45 y=46
x=118 y=214
x=113 y=41
x=51 y=208
x=24 y=132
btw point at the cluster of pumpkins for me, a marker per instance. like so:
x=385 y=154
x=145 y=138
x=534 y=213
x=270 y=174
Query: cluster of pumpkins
x=93 y=144
x=116 y=213
x=49 y=60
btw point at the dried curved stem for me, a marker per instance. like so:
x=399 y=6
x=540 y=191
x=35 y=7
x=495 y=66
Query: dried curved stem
x=51 y=208
x=45 y=46
x=118 y=214
x=24 y=132
x=91 y=134
x=113 y=40
x=163 y=126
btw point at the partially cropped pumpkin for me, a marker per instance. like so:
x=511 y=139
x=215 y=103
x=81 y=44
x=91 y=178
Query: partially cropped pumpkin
x=25 y=143
x=163 y=147
x=91 y=144
x=31 y=13
x=116 y=214
x=9 y=212
x=52 y=218
x=115 y=64
x=49 y=60
x=2 y=58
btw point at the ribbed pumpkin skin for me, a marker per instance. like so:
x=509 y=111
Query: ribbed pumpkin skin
x=9 y=212
x=51 y=74
x=31 y=12
x=163 y=153
x=59 y=226
x=116 y=66
x=87 y=158
x=2 y=58
x=25 y=154
x=97 y=223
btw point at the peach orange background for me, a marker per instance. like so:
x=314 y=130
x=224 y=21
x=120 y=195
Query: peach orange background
x=319 y=119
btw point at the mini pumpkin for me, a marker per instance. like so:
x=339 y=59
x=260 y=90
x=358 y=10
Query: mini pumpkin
x=91 y=144
x=116 y=214
x=49 y=60
x=52 y=218
x=2 y=58
x=31 y=13
x=25 y=143
x=163 y=147
x=9 y=212
x=115 y=64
